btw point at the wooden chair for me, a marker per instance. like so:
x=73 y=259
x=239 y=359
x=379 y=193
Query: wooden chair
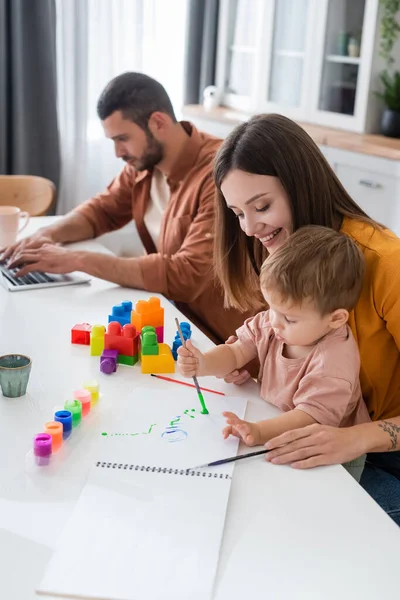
x=28 y=192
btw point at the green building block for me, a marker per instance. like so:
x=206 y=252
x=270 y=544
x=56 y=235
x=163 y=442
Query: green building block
x=147 y=328
x=149 y=345
x=127 y=360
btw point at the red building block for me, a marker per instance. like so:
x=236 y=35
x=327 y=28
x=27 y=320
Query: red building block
x=124 y=339
x=80 y=334
x=148 y=312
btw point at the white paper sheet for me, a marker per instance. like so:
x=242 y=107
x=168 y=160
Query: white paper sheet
x=138 y=533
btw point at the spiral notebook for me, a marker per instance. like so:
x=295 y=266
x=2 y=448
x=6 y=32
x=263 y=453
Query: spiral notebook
x=145 y=527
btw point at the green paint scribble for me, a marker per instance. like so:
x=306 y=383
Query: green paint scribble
x=186 y=412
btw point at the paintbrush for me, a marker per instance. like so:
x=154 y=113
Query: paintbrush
x=204 y=410
x=223 y=461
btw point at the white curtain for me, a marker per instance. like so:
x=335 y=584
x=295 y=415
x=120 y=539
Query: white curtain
x=97 y=40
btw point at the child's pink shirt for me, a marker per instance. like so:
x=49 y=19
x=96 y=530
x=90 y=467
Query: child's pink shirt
x=325 y=384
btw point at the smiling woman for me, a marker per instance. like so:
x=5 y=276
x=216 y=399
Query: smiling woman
x=272 y=180
x=266 y=213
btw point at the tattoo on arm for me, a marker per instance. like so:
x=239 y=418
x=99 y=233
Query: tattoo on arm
x=393 y=431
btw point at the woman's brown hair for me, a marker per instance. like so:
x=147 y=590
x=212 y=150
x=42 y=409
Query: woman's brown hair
x=273 y=145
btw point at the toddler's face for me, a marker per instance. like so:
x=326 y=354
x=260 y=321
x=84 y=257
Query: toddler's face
x=298 y=325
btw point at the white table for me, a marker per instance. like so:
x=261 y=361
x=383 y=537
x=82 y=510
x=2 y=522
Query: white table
x=304 y=535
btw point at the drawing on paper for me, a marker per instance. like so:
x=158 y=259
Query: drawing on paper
x=172 y=433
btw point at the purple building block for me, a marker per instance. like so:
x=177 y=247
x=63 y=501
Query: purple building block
x=108 y=361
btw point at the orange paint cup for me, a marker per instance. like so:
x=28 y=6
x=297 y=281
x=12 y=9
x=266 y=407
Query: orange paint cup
x=54 y=429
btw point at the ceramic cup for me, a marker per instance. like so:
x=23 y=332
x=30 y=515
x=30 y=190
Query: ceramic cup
x=10 y=218
x=14 y=374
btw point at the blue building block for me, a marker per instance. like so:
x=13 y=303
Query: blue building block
x=187 y=334
x=121 y=313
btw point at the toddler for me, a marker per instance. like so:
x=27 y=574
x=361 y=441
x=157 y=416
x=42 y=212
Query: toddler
x=309 y=360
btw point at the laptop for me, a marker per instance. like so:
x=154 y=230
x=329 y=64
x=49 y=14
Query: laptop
x=37 y=280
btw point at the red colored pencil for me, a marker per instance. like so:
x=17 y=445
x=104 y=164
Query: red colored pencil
x=185 y=383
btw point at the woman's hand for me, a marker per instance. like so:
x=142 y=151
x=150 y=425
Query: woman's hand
x=238 y=377
x=317 y=445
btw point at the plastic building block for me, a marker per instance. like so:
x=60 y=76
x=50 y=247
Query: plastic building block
x=160 y=334
x=127 y=360
x=80 y=334
x=148 y=312
x=97 y=340
x=177 y=343
x=147 y=328
x=149 y=342
x=162 y=363
x=108 y=361
x=124 y=339
x=186 y=329
x=121 y=313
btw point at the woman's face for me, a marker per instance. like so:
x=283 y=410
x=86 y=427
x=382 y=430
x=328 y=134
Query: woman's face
x=261 y=206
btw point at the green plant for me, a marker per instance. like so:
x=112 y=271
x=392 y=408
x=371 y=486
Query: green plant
x=390 y=29
x=391 y=90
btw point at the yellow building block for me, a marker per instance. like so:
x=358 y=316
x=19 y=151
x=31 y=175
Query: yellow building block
x=161 y=363
x=97 y=340
x=147 y=312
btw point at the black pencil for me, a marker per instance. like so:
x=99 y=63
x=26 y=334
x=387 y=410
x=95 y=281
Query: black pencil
x=223 y=461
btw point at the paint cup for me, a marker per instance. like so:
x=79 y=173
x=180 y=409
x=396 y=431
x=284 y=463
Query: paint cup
x=85 y=397
x=65 y=418
x=14 y=374
x=75 y=408
x=55 y=429
x=42 y=448
x=93 y=388
x=10 y=217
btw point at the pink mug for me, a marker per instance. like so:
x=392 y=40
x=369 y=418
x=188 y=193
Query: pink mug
x=9 y=224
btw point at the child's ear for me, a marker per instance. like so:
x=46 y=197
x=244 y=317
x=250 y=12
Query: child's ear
x=338 y=318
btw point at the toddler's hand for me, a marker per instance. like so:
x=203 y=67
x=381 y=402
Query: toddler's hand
x=190 y=360
x=244 y=430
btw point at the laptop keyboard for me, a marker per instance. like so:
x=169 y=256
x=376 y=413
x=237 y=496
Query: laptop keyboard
x=31 y=279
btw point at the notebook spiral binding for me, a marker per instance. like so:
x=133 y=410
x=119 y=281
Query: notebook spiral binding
x=168 y=471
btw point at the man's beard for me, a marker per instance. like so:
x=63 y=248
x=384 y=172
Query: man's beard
x=153 y=155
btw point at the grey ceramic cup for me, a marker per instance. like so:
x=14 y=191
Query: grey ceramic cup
x=14 y=374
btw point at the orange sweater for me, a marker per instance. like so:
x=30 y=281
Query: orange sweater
x=375 y=322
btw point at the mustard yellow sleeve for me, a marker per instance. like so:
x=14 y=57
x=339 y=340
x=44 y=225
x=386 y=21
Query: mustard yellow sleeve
x=386 y=288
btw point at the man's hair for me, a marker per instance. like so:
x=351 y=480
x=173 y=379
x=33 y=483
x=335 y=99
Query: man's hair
x=319 y=264
x=137 y=96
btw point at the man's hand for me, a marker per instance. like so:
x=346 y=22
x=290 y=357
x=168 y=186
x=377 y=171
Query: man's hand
x=248 y=432
x=238 y=377
x=190 y=360
x=37 y=240
x=316 y=445
x=48 y=258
